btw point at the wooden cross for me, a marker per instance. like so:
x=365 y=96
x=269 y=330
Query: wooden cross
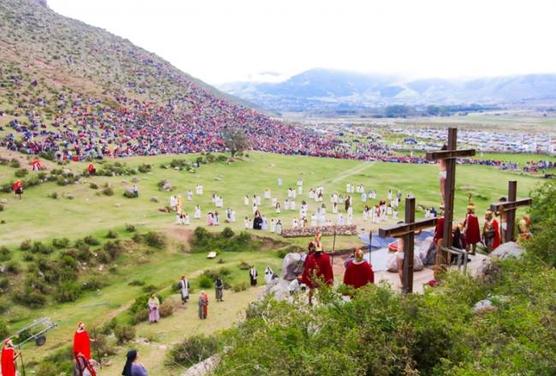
x=407 y=232
x=450 y=155
x=509 y=207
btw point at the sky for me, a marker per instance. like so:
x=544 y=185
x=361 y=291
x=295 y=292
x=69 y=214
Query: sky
x=222 y=41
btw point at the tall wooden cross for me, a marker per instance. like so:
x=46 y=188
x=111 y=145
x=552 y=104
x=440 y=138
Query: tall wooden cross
x=509 y=207
x=407 y=232
x=449 y=156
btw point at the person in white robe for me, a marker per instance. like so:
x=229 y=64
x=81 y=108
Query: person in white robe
x=197 y=213
x=268 y=275
x=277 y=207
x=247 y=223
x=292 y=205
x=279 y=227
x=184 y=286
x=340 y=220
x=272 y=225
x=189 y=195
x=232 y=216
x=246 y=200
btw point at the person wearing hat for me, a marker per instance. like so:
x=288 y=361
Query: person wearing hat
x=82 y=342
x=491 y=231
x=358 y=271
x=9 y=357
x=471 y=229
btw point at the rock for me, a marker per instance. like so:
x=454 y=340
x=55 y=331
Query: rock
x=203 y=368
x=117 y=205
x=507 y=250
x=484 y=305
x=4 y=201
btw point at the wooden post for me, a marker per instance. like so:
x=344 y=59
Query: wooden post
x=510 y=208
x=450 y=155
x=407 y=232
x=408 y=247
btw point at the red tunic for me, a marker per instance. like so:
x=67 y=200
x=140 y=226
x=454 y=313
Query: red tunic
x=358 y=274
x=8 y=362
x=496 y=227
x=82 y=344
x=473 y=232
x=439 y=230
x=317 y=266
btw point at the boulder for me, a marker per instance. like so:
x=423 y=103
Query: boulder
x=483 y=306
x=507 y=250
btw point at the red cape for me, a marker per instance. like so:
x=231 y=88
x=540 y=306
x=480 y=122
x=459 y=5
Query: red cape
x=317 y=266
x=496 y=242
x=473 y=232
x=358 y=274
x=82 y=344
x=8 y=362
x=439 y=230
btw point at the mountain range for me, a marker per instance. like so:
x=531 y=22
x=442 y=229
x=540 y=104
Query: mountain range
x=334 y=90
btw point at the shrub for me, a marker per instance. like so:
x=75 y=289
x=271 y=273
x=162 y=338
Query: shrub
x=21 y=173
x=154 y=239
x=144 y=168
x=4 y=331
x=111 y=235
x=60 y=243
x=228 y=233
x=14 y=163
x=140 y=316
x=93 y=284
x=54 y=195
x=39 y=247
x=29 y=298
x=12 y=267
x=90 y=240
x=130 y=194
x=25 y=245
x=244 y=266
x=5 y=254
x=205 y=282
x=93 y=186
x=108 y=191
x=167 y=308
x=193 y=350
x=67 y=292
x=124 y=333
x=130 y=228
x=136 y=282
x=242 y=286
x=47 y=368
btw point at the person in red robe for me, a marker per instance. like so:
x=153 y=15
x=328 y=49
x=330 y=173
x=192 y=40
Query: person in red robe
x=358 y=271
x=471 y=229
x=491 y=231
x=82 y=342
x=9 y=357
x=17 y=188
x=317 y=269
x=91 y=169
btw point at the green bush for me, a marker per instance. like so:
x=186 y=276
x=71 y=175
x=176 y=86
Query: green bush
x=154 y=239
x=111 y=234
x=124 y=333
x=39 y=247
x=25 y=245
x=4 y=331
x=60 y=243
x=108 y=191
x=67 y=292
x=228 y=233
x=205 y=282
x=241 y=286
x=90 y=240
x=130 y=228
x=21 y=173
x=193 y=350
x=14 y=163
x=5 y=254
x=29 y=298
x=93 y=186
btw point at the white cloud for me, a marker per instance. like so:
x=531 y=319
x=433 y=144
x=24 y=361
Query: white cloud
x=225 y=40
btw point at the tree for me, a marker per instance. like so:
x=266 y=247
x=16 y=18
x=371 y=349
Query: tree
x=235 y=140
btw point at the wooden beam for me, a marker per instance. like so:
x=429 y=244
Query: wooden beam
x=449 y=154
x=408 y=248
x=396 y=231
x=507 y=206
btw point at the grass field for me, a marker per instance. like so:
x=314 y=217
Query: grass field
x=39 y=217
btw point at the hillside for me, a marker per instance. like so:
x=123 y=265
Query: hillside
x=77 y=91
x=320 y=90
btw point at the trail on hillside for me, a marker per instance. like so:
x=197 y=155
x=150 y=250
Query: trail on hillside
x=346 y=174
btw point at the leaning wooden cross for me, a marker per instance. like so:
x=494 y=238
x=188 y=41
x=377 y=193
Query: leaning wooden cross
x=509 y=207
x=407 y=232
x=450 y=155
